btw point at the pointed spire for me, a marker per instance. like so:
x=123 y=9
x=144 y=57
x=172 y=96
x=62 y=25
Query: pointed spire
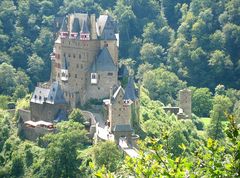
x=84 y=27
x=64 y=25
x=75 y=26
x=130 y=92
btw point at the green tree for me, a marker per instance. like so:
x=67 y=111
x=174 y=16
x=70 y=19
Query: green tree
x=7 y=79
x=162 y=85
x=76 y=116
x=61 y=153
x=106 y=154
x=35 y=67
x=201 y=102
x=221 y=106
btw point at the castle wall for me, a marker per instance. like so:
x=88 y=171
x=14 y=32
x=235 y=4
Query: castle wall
x=106 y=80
x=45 y=111
x=79 y=55
x=112 y=48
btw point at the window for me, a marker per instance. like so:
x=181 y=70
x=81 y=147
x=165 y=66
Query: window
x=81 y=66
x=69 y=55
x=110 y=74
x=77 y=65
x=98 y=88
x=80 y=56
x=75 y=75
x=93 y=76
x=73 y=55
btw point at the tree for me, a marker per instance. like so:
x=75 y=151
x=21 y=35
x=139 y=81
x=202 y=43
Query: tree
x=162 y=85
x=153 y=54
x=61 y=153
x=201 y=102
x=7 y=79
x=76 y=116
x=221 y=106
x=106 y=154
x=35 y=67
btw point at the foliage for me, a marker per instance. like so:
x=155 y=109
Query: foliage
x=76 y=116
x=61 y=152
x=106 y=154
x=221 y=106
x=201 y=101
x=162 y=85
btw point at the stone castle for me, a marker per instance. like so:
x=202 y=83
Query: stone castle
x=85 y=68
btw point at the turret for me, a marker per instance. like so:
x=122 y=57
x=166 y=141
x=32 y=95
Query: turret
x=75 y=29
x=84 y=33
x=64 y=30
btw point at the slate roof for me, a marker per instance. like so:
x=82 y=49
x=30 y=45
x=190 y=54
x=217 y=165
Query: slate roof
x=122 y=128
x=116 y=93
x=106 y=27
x=103 y=62
x=52 y=95
x=84 y=27
x=122 y=72
x=56 y=94
x=64 y=25
x=75 y=26
x=130 y=91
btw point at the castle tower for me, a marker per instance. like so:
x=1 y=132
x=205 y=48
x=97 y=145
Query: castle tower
x=185 y=101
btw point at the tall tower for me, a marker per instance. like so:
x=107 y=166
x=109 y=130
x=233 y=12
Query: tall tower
x=185 y=101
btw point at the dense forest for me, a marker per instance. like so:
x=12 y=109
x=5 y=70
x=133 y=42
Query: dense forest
x=167 y=45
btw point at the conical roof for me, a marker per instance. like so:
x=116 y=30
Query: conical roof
x=64 y=25
x=130 y=92
x=84 y=27
x=75 y=26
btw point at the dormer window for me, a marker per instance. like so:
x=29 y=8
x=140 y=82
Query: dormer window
x=93 y=78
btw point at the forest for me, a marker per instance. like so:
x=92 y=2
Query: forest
x=167 y=45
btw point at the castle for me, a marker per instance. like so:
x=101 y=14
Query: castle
x=85 y=67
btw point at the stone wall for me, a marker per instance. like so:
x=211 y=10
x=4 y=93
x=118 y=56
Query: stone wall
x=45 y=111
x=102 y=88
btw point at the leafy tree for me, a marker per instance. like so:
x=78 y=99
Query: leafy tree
x=106 y=154
x=7 y=79
x=61 y=153
x=201 y=102
x=4 y=101
x=221 y=106
x=162 y=85
x=20 y=92
x=35 y=67
x=76 y=116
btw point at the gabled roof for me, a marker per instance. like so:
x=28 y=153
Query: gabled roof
x=52 y=95
x=75 y=26
x=117 y=92
x=130 y=92
x=106 y=27
x=56 y=94
x=64 y=25
x=84 y=27
x=103 y=62
x=40 y=95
